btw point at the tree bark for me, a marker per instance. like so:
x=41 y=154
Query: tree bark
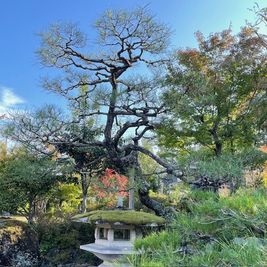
x=152 y=204
x=31 y=211
x=143 y=191
x=131 y=199
x=216 y=140
x=84 y=192
x=84 y=203
x=218 y=148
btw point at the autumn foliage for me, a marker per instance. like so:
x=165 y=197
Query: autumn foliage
x=111 y=184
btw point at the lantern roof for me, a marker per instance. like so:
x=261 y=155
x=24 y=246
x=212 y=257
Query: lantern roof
x=129 y=217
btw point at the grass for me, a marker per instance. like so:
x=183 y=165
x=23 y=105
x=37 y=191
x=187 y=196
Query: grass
x=211 y=231
x=122 y=216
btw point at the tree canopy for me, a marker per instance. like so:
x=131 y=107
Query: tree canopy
x=102 y=86
x=25 y=179
x=217 y=93
x=125 y=89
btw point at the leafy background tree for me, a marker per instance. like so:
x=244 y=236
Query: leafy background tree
x=217 y=93
x=25 y=181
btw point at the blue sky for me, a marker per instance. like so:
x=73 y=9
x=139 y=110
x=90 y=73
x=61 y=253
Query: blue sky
x=20 y=21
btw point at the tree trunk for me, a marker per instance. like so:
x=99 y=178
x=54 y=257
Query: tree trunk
x=217 y=142
x=143 y=190
x=40 y=204
x=131 y=199
x=131 y=174
x=152 y=204
x=84 y=203
x=84 y=192
x=31 y=211
x=218 y=149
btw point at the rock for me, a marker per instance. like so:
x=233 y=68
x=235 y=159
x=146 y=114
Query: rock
x=18 y=244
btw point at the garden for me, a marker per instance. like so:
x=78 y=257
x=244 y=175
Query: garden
x=156 y=151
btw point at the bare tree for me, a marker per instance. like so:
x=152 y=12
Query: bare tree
x=123 y=105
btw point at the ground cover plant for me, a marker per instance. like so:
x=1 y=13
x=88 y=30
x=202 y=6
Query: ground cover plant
x=211 y=231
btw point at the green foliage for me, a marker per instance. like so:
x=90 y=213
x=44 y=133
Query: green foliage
x=174 y=197
x=123 y=216
x=217 y=93
x=155 y=240
x=247 y=201
x=25 y=178
x=60 y=240
x=253 y=158
x=248 y=254
x=228 y=168
x=212 y=231
x=65 y=198
x=149 y=166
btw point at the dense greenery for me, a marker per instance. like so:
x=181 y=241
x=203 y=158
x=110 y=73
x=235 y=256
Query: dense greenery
x=57 y=242
x=25 y=181
x=210 y=172
x=18 y=243
x=217 y=93
x=211 y=231
x=60 y=242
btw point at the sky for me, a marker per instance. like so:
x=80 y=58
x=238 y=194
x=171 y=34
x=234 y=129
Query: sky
x=21 y=21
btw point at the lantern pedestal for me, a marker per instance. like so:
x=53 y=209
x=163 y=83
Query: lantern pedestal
x=112 y=243
x=111 y=256
x=115 y=233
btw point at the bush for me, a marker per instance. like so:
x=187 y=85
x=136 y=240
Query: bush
x=206 y=172
x=60 y=241
x=213 y=231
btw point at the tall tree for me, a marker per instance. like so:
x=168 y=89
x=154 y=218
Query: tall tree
x=217 y=93
x=121 y=103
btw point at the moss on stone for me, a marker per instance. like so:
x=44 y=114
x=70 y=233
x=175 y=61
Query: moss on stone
x=122 y=216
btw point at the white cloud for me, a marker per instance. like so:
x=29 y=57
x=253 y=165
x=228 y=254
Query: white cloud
x=8 y=99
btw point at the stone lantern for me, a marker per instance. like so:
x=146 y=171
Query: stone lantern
x=115 y=233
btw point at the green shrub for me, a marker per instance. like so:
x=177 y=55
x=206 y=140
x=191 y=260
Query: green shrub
x=60 y=241
x=208 y=172
x=248 y=254
x=214 y=231
x=248 y=201
x=156 y=240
